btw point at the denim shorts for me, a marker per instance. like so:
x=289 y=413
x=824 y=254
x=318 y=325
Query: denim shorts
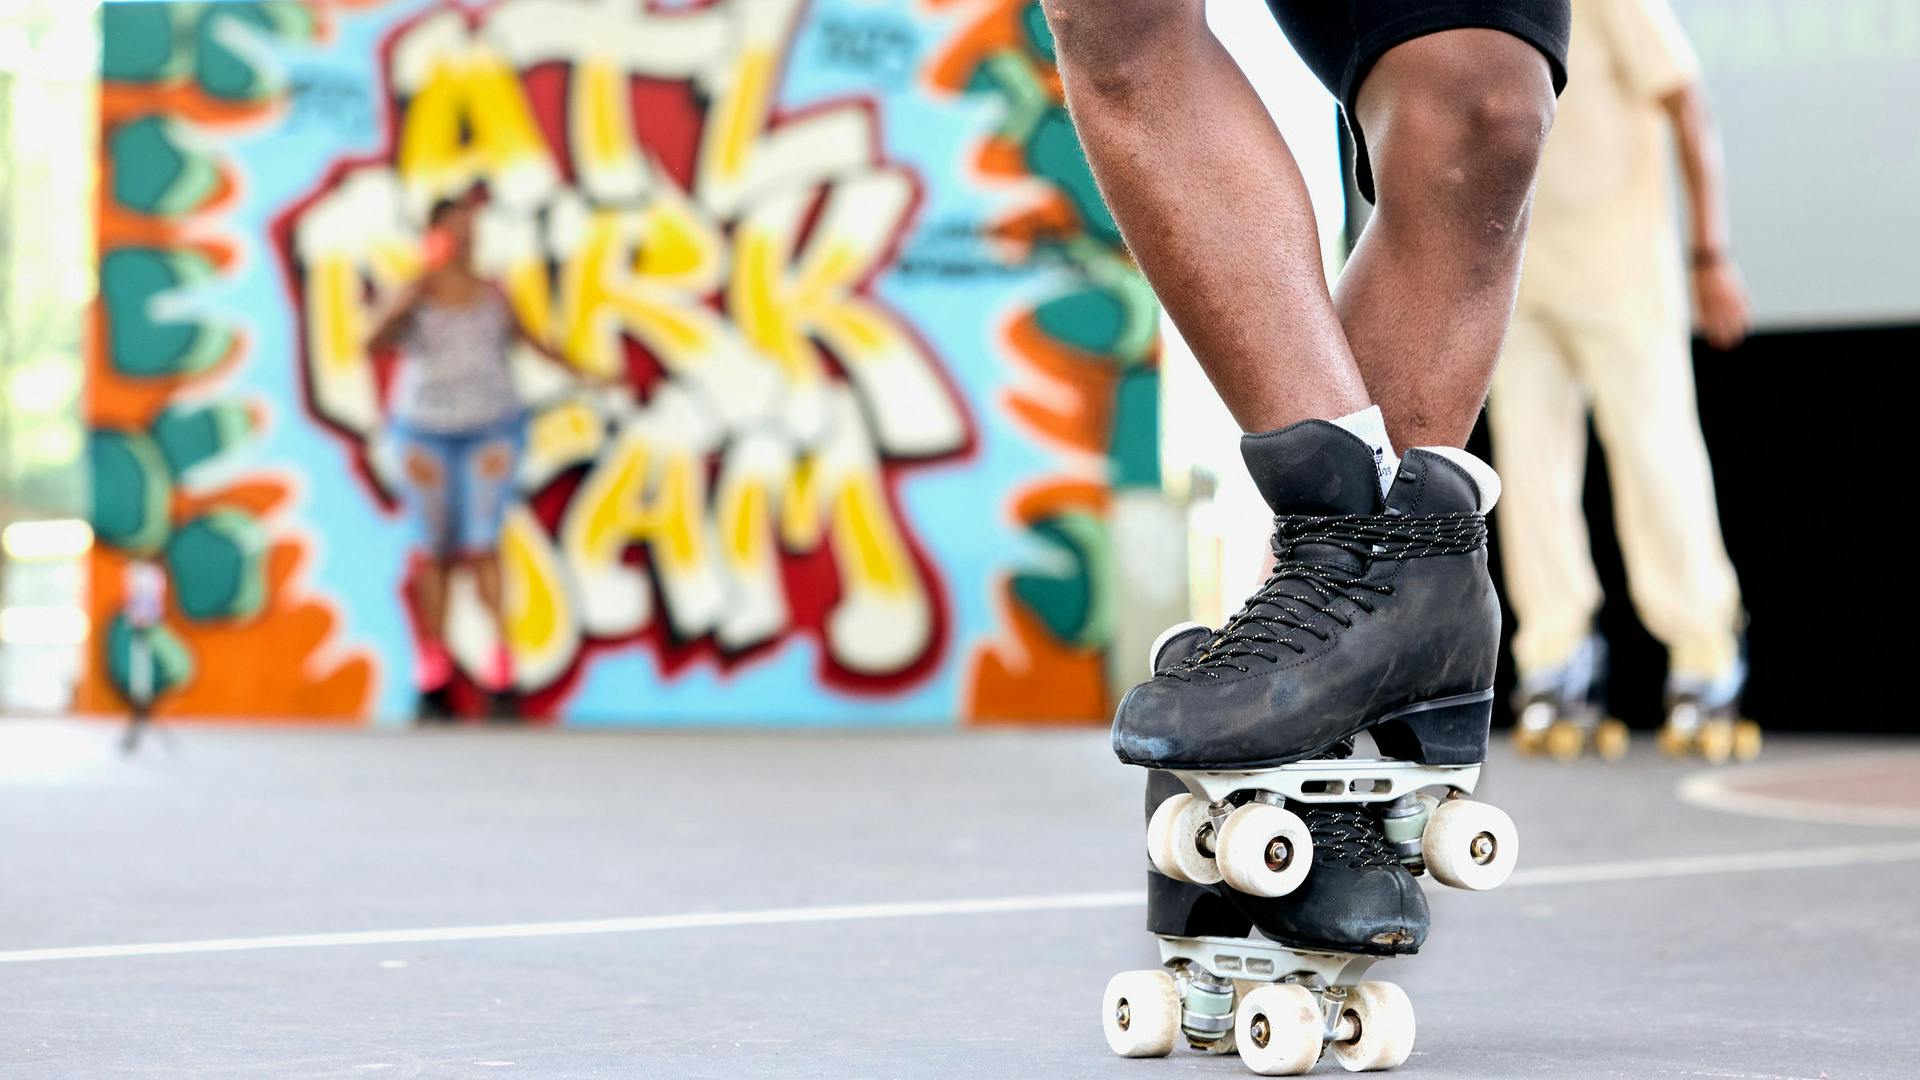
x=461 y=509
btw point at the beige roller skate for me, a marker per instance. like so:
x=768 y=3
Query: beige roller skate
x=1562 y=713
x=1704 y=721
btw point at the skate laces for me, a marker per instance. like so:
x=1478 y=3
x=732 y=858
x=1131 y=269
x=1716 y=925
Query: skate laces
x=1347 y=834
x=1305 y=590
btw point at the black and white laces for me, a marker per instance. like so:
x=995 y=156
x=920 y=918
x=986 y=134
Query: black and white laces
x=1347 y=834
x=1303 y=596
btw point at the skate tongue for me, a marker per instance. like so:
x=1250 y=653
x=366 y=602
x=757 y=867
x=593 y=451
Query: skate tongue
x=1313 y=468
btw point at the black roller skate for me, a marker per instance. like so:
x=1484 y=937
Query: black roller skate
x=1562 y=713
x=1378 y=619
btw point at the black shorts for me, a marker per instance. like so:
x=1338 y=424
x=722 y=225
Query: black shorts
x=1341 y=40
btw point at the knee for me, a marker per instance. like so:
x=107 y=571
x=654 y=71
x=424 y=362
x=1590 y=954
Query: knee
x=1102 y=45
x=1504 y=127
x=1474 y=144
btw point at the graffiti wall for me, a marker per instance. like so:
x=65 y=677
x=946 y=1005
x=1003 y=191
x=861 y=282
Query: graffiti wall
x=853 y=362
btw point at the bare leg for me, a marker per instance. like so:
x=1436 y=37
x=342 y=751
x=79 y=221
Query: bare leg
x=1210 y=202
x=493 y=476
x=428 y=497
x=486 y=576
x=1454 y=124
x=430 y=599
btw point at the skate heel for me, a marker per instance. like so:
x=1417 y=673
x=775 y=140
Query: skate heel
x=1447 y=731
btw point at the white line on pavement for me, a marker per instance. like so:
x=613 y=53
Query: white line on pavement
x=1632 y=870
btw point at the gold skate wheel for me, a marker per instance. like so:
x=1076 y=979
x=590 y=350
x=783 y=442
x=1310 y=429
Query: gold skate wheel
x=1526 y=740
x=1565 y=740
x=1610 y=739
x=1715 y=741
x=1674 y=742
x=1746 y=740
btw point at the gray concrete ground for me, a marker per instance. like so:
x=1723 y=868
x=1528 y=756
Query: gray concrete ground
x=1645 y=937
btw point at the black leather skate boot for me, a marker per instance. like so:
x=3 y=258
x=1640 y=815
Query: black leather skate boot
x=1358 y=897
x=1379 y=615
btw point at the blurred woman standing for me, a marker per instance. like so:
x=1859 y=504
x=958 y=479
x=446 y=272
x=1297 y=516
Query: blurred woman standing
x=458 y=425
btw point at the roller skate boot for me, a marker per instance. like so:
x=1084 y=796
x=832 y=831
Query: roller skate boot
x=1378 y=618
x=1272 y=965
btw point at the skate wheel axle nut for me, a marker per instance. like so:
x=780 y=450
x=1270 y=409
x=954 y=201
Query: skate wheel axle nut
x=1484 y=848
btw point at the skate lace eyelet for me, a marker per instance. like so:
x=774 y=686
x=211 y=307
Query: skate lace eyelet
x=1303 y=590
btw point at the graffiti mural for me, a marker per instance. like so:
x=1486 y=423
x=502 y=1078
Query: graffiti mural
x=242 y=634
x=1088 y=380
x=655 y=216
x=796 y=467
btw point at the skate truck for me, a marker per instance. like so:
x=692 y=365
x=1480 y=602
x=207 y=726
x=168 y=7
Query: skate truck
x=1280 y=1008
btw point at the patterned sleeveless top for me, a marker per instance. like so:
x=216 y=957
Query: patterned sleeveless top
x=454 y=378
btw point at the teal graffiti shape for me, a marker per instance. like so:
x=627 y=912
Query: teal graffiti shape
x=137 y=43
x=131 y=490
x=142 y=342
x=1133 y=454
x=218 y=566
x=233 y=56
x=1054 y=155
x=160 y=168
x=190 y=434
x=1071 y=599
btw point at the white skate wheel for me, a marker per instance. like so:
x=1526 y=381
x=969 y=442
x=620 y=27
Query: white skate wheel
x=1470 y=845
x=1382 y=1034
x=1141 y=1013
x=1264 y=850
x=1277 y=1029
x=1173 y=841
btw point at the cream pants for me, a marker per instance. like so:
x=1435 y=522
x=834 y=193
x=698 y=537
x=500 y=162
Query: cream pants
x=1635 y=375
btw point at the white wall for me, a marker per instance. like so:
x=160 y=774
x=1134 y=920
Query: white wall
x=1817 y=102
